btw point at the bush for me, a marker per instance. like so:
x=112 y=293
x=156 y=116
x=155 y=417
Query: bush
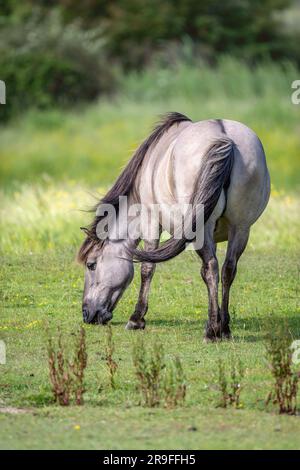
x=137 y=28
x=158 y=380
x=111 y=364
x=174 y=385
x=149 y=366
x=66 y=376
x=230 y=383
x=285 y=378
x=45 y=63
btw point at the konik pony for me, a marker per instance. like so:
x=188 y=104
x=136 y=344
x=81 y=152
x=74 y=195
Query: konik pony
x=217 y=163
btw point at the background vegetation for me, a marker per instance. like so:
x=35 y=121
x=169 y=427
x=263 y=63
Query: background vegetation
x=64 y=52
x=85 y=83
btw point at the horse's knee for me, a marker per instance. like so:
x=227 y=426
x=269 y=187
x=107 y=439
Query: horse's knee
x=147 y=271
x=213 y=265
x=210 y=267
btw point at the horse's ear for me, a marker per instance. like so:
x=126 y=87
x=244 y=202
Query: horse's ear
x=85 y=230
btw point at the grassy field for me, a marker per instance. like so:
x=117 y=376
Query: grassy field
x=50 y=163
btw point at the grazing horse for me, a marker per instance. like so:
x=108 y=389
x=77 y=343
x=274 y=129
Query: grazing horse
x=218 y=163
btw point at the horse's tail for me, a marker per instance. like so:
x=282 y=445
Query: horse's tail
x=213 y=176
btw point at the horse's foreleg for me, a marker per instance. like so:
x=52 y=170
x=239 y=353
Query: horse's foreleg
x=137 y=321
x=237 y=241
x=210 y=275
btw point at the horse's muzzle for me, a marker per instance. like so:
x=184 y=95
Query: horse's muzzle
x=99 y=317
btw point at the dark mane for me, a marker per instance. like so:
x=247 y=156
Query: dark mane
x=125 y=181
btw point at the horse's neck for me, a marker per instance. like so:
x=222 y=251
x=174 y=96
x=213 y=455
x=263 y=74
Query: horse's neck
x=126 y=225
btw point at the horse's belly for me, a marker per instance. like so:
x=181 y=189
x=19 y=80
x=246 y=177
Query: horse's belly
x=221 y=230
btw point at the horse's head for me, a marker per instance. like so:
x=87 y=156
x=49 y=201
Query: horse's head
x=108 y=273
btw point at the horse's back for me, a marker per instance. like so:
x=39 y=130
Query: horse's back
x=171 y=167
x=249 y=188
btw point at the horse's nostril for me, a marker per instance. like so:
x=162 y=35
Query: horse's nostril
x=98 y=317
x=102 y=317
x=85 y=314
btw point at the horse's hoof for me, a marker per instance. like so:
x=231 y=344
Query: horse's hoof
x=227 y=336
x=211 y=339
x=212 y=333
x=135 y=325
x=226 y=333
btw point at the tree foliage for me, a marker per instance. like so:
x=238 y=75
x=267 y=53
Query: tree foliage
x=61 y=52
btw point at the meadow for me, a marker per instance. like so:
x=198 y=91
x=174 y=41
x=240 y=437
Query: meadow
x=52 y=166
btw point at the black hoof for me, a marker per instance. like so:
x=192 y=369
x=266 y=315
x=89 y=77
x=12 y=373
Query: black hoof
x=226 y=333
x=213 y=333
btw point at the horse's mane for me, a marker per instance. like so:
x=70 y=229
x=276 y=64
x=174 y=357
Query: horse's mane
x=125 y=181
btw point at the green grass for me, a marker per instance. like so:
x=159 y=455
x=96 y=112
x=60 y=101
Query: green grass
x=49 y=164
x=192 y=428
x=46 y=289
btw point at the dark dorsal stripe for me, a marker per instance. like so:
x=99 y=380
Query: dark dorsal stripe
x=221 y=125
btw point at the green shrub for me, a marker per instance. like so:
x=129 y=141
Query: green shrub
x=285 y=376
x=174 y=385
x=137 y=28
x=230 y=382
x=149 y=366
x=47 y=64
x=158 y=380
x=67 y=376
x=111 y=364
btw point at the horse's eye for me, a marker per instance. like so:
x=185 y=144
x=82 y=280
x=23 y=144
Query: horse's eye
x=91 y=266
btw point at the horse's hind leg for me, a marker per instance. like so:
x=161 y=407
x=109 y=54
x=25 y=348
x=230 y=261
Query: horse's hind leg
x=237 y=241
x=137 y=321
x=210 y=275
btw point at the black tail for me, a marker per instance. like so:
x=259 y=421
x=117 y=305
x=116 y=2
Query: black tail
x=214 y=175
